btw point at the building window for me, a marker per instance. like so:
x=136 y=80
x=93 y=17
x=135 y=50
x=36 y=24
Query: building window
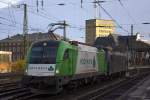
x=14 y=49
x=9 y=48
x=18 y=44
x=18 y=49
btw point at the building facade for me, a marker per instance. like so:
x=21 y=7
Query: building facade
x=15 y=44
x=98 y=28
x=5 y=59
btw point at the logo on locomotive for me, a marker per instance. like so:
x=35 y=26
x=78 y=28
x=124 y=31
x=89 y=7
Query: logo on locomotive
x=50 y=68
x=88 y=61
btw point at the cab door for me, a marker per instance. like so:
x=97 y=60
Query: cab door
x=67 y=62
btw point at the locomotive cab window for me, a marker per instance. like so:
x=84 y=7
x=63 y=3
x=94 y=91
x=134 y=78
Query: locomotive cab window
x=66 y=55
x=44 y=52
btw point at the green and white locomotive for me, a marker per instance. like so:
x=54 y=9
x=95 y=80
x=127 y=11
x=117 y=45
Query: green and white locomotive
x=52 y=65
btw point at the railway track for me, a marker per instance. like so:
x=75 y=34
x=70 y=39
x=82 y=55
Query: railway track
x=10 y=75
x=108 y=90
x=15 y=92
x=113 y=91
x=10 y=88
x=9 y=78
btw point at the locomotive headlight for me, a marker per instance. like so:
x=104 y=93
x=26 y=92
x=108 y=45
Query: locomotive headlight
x=57 y=71
x=26 y=71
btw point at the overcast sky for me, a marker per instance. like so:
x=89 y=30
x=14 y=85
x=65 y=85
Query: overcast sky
x=126 y=12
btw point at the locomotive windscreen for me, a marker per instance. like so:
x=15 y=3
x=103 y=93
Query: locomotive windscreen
x=44 y=52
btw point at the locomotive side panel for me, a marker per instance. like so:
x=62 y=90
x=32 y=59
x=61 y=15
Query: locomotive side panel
x=87 y=61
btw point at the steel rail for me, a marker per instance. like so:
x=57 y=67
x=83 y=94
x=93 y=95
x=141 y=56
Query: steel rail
x=108 y=89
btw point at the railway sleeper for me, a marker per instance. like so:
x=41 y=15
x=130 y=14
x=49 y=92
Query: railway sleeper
x=12 y=92
x=18 y=95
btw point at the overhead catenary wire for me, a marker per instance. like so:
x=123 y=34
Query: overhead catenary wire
x=9 y=25
x=10 y=15
x=44 y=14
x=41 y=13
x=128 y=13
x=81 y=6
x=17 y=27
x=37 y=14
x=12 y=18
x=13 y=15
x=3 y=18
x=113 y=19
x=16 y=23
x=119 y=25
